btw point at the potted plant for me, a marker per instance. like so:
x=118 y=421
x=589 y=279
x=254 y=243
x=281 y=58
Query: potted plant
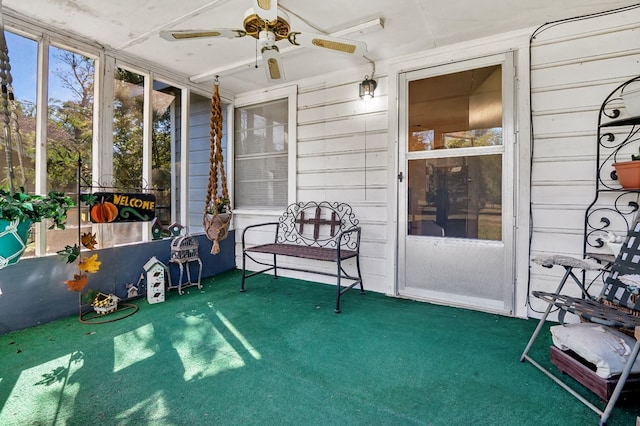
x=19 y=210
x=628 y=172
x=220 y=204
x=216 y=221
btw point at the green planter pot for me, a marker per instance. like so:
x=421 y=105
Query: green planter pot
x=13 y=241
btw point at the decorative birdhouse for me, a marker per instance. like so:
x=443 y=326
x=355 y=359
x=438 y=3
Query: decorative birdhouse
x=105 y=304
x=184 y=254
x=157 y=278
x=156 y=229
x=176 y=229
x=184 y=249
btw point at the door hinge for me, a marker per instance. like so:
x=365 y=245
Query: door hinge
x=400 y=176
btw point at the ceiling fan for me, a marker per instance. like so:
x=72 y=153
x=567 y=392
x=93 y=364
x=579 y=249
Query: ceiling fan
x=268 y=25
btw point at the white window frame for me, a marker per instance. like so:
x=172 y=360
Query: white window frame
x=291 y=94
x=102 y=151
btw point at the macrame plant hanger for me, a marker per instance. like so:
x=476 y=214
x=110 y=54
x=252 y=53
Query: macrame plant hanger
x=217 y=214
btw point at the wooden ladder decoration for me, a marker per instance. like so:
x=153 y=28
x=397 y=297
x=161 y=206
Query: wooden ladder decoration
x=217 y=214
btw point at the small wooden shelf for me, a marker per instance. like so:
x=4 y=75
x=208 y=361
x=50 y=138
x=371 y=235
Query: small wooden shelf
x=584 y=373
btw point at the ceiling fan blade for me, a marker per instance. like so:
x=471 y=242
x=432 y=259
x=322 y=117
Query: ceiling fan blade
x=193 y=34
x=273 y=64
x=266 y=9
x=334 y=44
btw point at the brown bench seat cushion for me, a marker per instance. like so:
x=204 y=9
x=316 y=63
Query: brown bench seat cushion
x=304 y=252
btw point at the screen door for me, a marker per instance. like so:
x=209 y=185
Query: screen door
x=456 y=184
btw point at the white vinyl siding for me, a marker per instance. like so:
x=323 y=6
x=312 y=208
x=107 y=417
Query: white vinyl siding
x=200 y=158
x=574 y=66
x=341 y=155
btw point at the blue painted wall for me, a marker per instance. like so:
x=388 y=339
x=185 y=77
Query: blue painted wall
x=33 y=290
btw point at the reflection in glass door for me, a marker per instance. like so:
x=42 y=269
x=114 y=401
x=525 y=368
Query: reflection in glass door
x=455 y=210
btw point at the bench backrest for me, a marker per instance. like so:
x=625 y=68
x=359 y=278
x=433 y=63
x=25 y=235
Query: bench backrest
x=626 y=263
x=318 y=224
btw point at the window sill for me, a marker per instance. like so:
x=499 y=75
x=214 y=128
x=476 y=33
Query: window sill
x=258 y=212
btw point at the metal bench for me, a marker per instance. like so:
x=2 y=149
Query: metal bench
x=616 y=306
x=323 y=231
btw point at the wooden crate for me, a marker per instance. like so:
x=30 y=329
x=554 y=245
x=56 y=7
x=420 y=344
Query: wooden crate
x=584 y=372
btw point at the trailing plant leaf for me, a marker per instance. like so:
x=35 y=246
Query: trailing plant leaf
x=89 y=199
x=89 y=264
x=88 y=296
x=89 y=240
x=70 y=254
x=22 y=206
x=77 y=283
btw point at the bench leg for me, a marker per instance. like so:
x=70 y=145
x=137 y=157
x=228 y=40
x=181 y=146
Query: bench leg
x=339 y=287
x=359 y=274
x=275 y=267
x=244 y=270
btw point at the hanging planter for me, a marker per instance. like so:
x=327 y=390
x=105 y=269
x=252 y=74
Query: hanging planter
x=19 y=210
x=216 y=227
x=13 y=240
x=217 y=214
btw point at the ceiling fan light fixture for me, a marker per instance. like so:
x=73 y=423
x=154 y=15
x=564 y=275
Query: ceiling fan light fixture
x=367 y=87
x=267 y=39
x=273 y=64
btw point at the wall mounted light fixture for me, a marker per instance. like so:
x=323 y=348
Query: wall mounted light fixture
x=367 y=87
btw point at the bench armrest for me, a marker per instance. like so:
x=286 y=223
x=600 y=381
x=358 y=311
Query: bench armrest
x=346 y=234
x=258 y=225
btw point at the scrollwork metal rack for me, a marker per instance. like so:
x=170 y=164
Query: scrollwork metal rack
x=613 y=207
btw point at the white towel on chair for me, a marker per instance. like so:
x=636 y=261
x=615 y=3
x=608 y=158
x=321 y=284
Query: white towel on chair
x=606 y=348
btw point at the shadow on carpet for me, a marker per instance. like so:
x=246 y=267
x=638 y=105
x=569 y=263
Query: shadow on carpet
x=277 y=354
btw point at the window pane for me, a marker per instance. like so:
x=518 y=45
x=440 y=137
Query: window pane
x=456 y=197
x=459 y=110
x=128 y=117
x=263 y=180
x=23 y=56
x=261 y=155
x=69 y=135
x=165 y=135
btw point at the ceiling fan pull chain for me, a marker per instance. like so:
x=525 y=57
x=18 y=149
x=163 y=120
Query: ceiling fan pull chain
x=256 y=53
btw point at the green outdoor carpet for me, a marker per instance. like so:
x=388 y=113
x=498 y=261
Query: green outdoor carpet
x=279 y=355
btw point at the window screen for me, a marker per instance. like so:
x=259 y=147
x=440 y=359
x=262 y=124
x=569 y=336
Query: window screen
x=261 y=155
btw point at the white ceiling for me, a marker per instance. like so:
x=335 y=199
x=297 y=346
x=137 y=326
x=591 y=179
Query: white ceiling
x=410 y=26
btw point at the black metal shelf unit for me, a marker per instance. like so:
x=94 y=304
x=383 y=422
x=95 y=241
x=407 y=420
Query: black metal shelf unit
x=613 y=207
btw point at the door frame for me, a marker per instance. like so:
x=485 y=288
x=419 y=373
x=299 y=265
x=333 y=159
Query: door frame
x=518 y=43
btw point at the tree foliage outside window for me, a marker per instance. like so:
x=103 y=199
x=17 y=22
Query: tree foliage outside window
x=70 y=124
x=70 y=130
x=128 y=125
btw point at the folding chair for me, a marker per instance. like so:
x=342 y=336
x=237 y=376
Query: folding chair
x=615 y=306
